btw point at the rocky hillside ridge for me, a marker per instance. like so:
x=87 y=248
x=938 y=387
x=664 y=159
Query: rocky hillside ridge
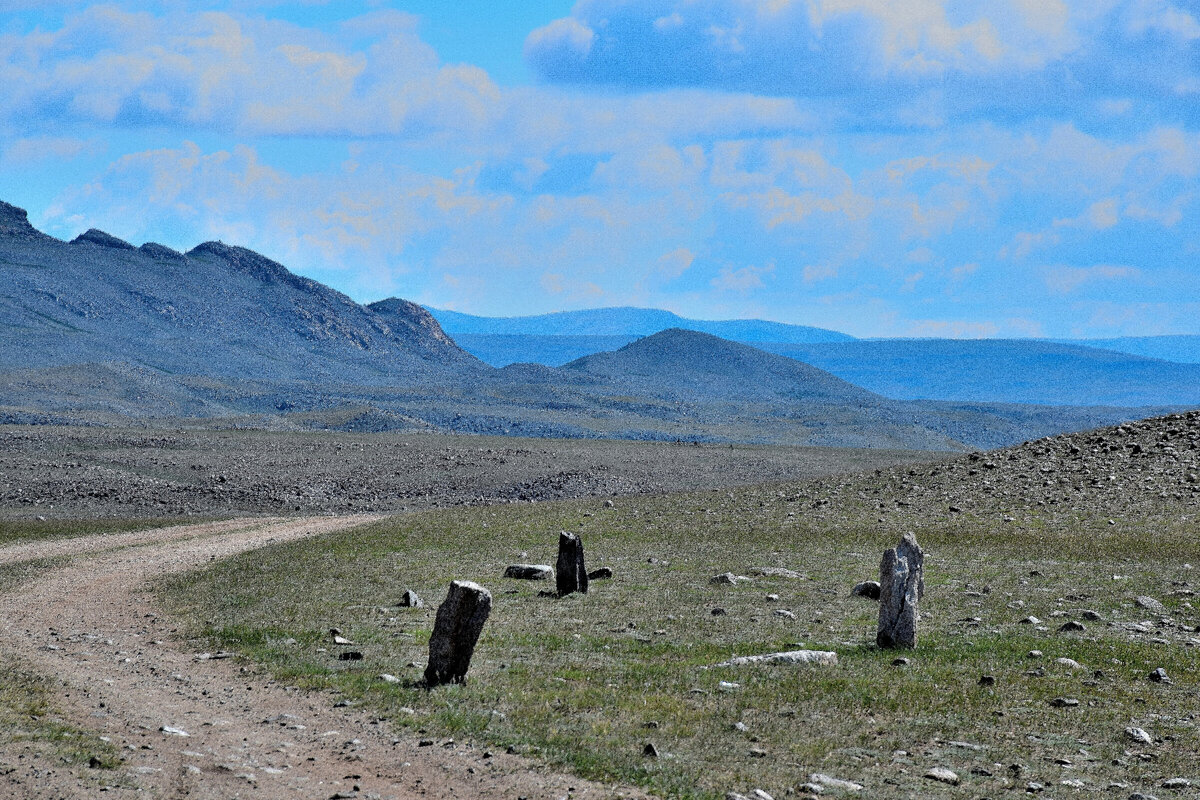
x=15 y=222
x=1144 y=466
x=218 y=311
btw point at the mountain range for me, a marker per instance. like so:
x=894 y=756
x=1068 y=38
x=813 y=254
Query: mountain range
x=100 y=331
x=1161 y=370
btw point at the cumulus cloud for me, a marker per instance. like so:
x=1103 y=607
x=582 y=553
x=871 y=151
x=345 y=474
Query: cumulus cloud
x=240 y=74
x=1066 y=280
x=913 y=62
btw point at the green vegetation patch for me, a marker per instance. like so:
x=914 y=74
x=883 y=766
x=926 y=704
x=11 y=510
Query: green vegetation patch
x=13 y=531
x=586 y=682
x=30 y=723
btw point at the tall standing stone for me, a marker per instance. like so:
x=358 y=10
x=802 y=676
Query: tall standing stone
x=459 y=621
x=901 y=585
x=570 y=575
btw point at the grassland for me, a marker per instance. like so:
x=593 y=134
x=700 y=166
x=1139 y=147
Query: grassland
x=585 y=682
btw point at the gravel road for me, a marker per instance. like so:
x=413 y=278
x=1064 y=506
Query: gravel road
x=194 y=726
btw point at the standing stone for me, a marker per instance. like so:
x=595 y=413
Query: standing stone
x=901 y=585
x=570 y=575
x=460 y=618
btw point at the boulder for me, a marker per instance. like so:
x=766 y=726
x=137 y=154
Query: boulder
x=411 y=600
x=867 y=589
x=901 y=586
x=456 y=629
x=570 y=573
x=529 y=572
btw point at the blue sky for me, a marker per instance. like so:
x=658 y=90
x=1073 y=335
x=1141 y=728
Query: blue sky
x=927 y=168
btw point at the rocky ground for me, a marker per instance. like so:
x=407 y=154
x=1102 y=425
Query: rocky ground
x=101 y=472
x=1134 y=467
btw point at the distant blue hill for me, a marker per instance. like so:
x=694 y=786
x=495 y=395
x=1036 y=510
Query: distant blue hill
x=630 y=322
x=1002 y=370
x=1182 y=349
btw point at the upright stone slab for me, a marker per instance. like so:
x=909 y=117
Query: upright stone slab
x=570 y=575
x=901 y=585
x=460 y=618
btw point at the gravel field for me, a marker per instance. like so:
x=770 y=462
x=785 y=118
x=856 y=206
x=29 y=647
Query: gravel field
x=61 y=473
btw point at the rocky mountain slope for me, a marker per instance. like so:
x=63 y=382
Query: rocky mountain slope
x=100 y=331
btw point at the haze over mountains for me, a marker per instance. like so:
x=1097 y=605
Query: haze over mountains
x=99 y=331
x=1120 y=372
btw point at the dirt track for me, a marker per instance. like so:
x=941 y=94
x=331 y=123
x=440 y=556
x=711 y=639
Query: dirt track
x=127 y=676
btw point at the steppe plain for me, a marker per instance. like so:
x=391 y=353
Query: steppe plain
x=564 y=695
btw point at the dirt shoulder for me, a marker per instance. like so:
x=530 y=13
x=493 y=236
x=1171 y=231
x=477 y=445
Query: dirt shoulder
x=190 y=725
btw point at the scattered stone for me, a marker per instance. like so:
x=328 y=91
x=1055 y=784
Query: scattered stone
x=834 y=783
x=528 y=572
x=783 y=612
x=757 y=752
x=759 y=794
x=174 y=731
x=650 y=751
x=728 y=579
x=1176 y=783
x=772 y=598
x=602 y=574
x=388 y=678
x=1064 y=702
x=867 y=589
x=350 y=655
x=1070 y=626
x=411 y=600
x=1150 y=604
x=942 y=775
x=719 y=612
x=570 y=573
x=460 y=619
x=1091 y=616
x=775 y=572
x=902 y=584
x=1033 y=787
x=900 y=662
x=823 y=657
x=1029 y=621
x=1140 y=796
x=810 y=788
x=1138 y=735
x=987 y=680
x=338 y=638
x=1069 y=663
x=1159 y=676
x=1034 y=654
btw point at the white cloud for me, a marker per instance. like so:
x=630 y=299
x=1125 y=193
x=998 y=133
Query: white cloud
x=743 y=280
x=1066 y=280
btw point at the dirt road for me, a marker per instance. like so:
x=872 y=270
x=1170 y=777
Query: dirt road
x=193 y=726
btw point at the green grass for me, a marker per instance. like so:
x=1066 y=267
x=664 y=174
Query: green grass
x=584 y=682
x=30 y=722
x=15 y=531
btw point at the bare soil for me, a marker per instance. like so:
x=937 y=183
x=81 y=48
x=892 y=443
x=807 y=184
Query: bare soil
x=191 y=725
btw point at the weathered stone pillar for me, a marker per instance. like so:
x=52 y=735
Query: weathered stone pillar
x=459 y=621
x=570 y=575
x=901 y=585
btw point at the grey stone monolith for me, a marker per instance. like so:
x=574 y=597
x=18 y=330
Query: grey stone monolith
x=901 y=585
x=570 y=575
x=456 y=629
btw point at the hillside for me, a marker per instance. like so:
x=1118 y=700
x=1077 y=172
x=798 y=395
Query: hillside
x=100 y=331
x=1003 y=370
x=1134 y=467
x=627 y=321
